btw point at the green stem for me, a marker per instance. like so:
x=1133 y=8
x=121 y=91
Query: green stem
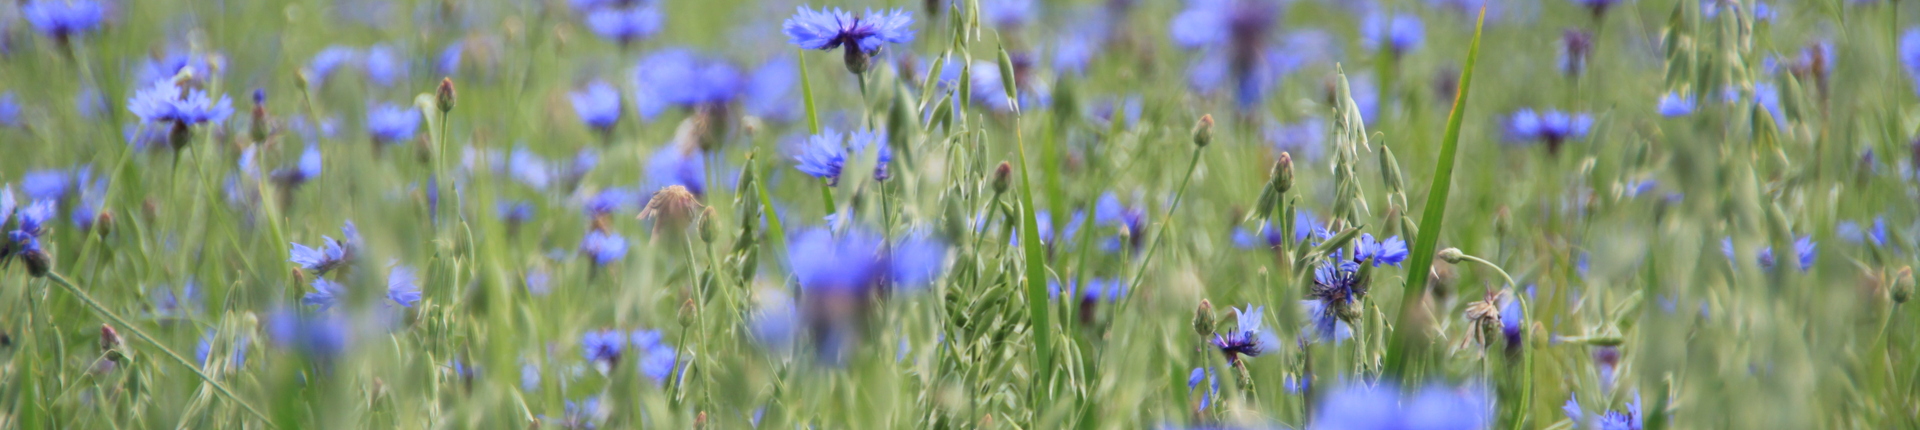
x=1154 y=244
x=110 y=315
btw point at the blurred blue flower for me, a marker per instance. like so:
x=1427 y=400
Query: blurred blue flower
x=657 y=359
x=1096 y=290
x=1512 y=316
x=1248 y=338
x=1608 y=420
x=528 y=168
x=305 y=170
x=164 y=102
x=63 y=19
x=848 y=264
x=1007 y=14
x=677 y=165
x=1073 y=51
x=325 y=294
x=384 y=65
x=1126 y=109
x=605 y=248
x=88 y=102
x=626 y=24
x=1267 y=236
x=1304 y=140
x=516 y=212
x=1575 y=49
x=164 y=67
x=1768 y=97
x=1108 y=211
x=915 y=260
x=603 y=346
x=448 y=62
x=1400 y=34
x=678 y=77
x=7 y=203
x=827 y=153
x=598 y=105
x=1323 y=325
x=1552 y=127
x=327 y=60
x=392 y=124
x=403 y=286
x=828 y=29
x=1710 y=9
x=320 y=336
x=236 y=358
x=1847 y=230
x=1910 y=54
x=331 y=254
x=1381 y=406
x=1203 y=374
x=770 y=90
x=170 y=304
x=32 y=225
x=47 y=184
x=1673 y=104
x=583 y=414
x=610 y=200
x=9 y=110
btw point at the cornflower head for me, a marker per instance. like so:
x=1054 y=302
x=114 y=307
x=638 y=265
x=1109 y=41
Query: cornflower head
x=403 y=286
x=1389 y=252
x=1265 y=236
x=167 y=66
x=1910 y=54
x=1630 y=419
x=1363 y=406
x=306 y=169
x=608 y=201
x=656 y=358
x=1398 y=34
x=826 y=154
x=392 y=124
x=1804 y=249
x=1306 y=139
x=529 y=169
x=1234 y=34
x=330 y=255
x=383 y=65
x=770 y=90
x=1007 y=15
x=603 y=347
x=858 y=38
x=1576 y=47
x=1673 y=104
x=1598 y=7
x=169 y=303
x=1248 y=337
x=680 y=78
x=1849 y=231
x=63 y=19
x=10 y=110
x=237 y=352
x=326 y=61
x=1552 y=127
x=856 y=262
x=1131 y=221
x=626 y=24
x=605 y=248
x=325 y=294
x=677 y=165
x=1088 y=297
x=178 y=107
x=319 y=336
x=598 y=105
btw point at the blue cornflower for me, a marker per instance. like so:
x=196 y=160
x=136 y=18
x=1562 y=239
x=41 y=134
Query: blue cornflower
x=528 y=168
x=605 y=248
x=327 y=60
x=1847 y=230
x=305 y=170
x=31 y=226
x=516 y=212
x=1362 y=406
x=1247 y=337
x=1399 y=34
x=1073 y=50
x=1007 y=14
x=1323 y=323
x=626 y=25
x=827 y=29
x=392 y=124
x=383 y=65
x=1673 y=104
x=325 y=294
x=47 y=184
x=164 y=102
x=847 y=264
x=1804 y=248
x=657 y=358
x=448 y=62
x=167 y=303
x=403 y=286
x=1108 y=211
x=1097 y=290
x=826 y=154
x=770 y=90
x=1388 y=252
x=608 y=201
x=319 y=336
x=598 y=105
x=603 y=346
x=7 y=203
x=236 y=358
x=1551 y=127
x=1768 y=97
x=1910 y=54
x=1512 y=317
x=92 y=197
x=1336 y=289
x=1126 y=110
x=330 y=255
x=915 y=260
x=9 y=110
x=63 y=19
x=583 y=414
x=88 y=102
x=1608 y=420
x=1267 y=236
x=1599 y=7
x=165 y=67
x=677 y=165
x=678 y=77
x=1203 y=374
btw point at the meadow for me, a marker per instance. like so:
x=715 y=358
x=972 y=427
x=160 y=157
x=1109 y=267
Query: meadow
x=1031 y=214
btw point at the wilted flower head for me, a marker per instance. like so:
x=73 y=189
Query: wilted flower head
x=598 y=105
x=392 y=124
x=1362 y=406
x=63 y=19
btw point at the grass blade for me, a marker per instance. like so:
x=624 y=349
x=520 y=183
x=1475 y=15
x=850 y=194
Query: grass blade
x=1421 y=258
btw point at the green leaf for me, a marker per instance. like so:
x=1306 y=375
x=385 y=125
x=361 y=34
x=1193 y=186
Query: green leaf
x=806 y=94
x=1421 y=258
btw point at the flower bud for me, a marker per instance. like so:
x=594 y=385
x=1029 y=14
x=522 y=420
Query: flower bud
x=109 y=339
x=1002 y=176
x=857 y=60
x=706 y=225
x=444 y=96
x=1283 y=173
x=1902 y=285
x=1452 y=255
x=688 y=315
x=258 y=129
x=1203 y=131
x=38 y=262
x=103 y=224
x=1203 y=321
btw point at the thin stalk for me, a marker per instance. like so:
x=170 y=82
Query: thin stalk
x=1154 y=244
x=117 y=320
